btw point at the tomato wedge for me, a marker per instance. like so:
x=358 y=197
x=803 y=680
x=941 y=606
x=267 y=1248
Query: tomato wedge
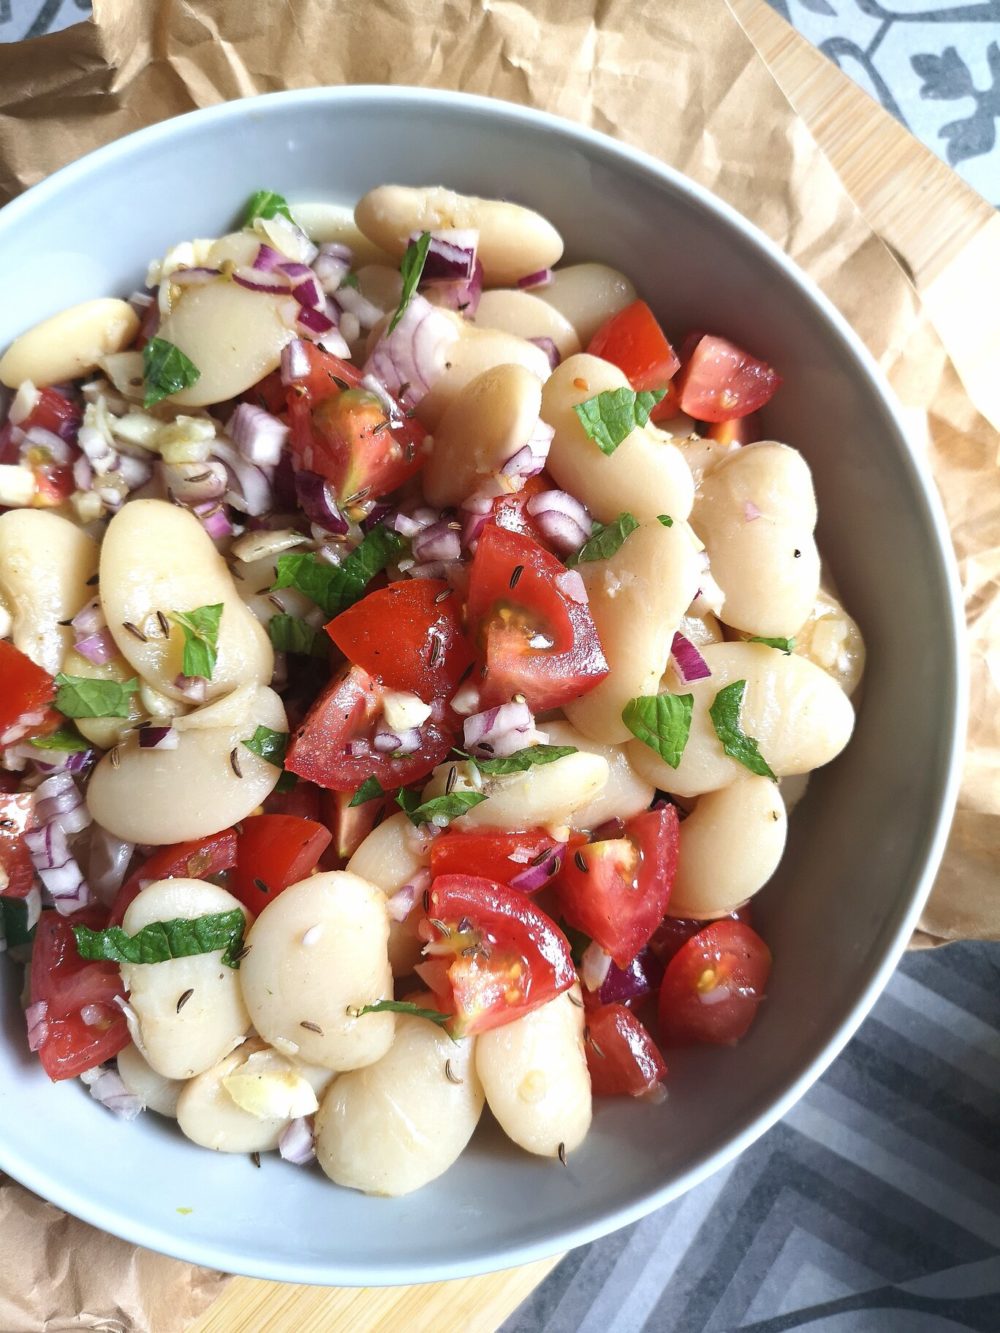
x=273 y=851
x=333 y=746
x=197 y=859
x=721 y=381
x=506 y=957
x=617 y=890
x=622 y=1057
x=674 y=931
x=633 y=341
x=713 y=985
x=490 y=853
x=535 y=640
x=409 y=634
x=71 y=988
x=25 y=697
x=351 y=824
x=17 y=870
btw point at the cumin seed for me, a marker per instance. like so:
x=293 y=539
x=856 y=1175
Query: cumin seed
x=234 y=761
x=116 y=757
x=341 y=384
x=485 y=745
x=449 y=786
x=255 y=1158
x=437 y=651
x=311 y=1027
x=276 y=602
x=202 y=476
x=579 y=862
x=380 y=814
x=443 y=595
x=562 y=1153
x=164 y=624
x=515 y=576
x=134 y=630
x=261 y=885
x=184 y=999
x=450 y=1074
x=574 y=1000
x=537 y=860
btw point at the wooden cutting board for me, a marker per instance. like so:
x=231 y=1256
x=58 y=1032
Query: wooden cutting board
x=940 y=227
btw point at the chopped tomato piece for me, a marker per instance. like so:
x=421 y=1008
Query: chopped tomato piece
x=535 y=639
x=198 y=859
x=351 y=824
x=17 y=870
x=333 y=746
x=721 y=381
x=507 y=957
x=741 y=430
x=270 y=394
x=25 y=697
x=409 y=634
x=633 y=341
x=510 y=511
x=84 y=1025
x=54 y=484
x=622 y=1057
x=675 y=931
x=272 y=852
x=617 y=890
x=491 y=853
x=713 y=985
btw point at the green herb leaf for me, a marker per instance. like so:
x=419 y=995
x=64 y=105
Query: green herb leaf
x=166 y=370
x=725 y=715
x=403 y=1007
x=14 y=923
x=783 y=645
x=447 y=807
x=269 y=745
x=613 y=415
x=605 y=540
x=162 y=940
x=411 y=267
x=336 y=587
x=665 y=519
x=67 y=739
x=368 y=791
x=524 y=759
x=291 y=634
x=349 y=280
x=79 y=696
x=661 y=721
x=201 y=638
x=266 y=204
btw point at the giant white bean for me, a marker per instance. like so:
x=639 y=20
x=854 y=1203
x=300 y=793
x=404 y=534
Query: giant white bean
x=157 y=1093
x=400 y=1123
x=624 y=794
x=832 y=640
x=756 y=512
x=316 y=952
x=233 y=335
x=528 y=316
x=178 y=1037
x=646 y=475
x=104 y=731
x=162 y=796
x=545 y=794
x=323 y=221
x=46 y=563
x=799 y=715
x=587 y=295
x=67 y=345
x=482 y=428
x=513 y=241
x=637 y=599
x=214 y=1110
x=157 y=557
x=473 y=352
x=534 y=1074
x=391 y=856
x=730 y=846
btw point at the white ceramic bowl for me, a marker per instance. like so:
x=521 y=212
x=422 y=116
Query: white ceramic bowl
x=864 y=845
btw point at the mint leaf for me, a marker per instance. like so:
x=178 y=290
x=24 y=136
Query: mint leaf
x=411 y=267
x=269 y=745
x=613 y=415
x=162 y=940
x=166 y=370
x=725 y=715
x=201 y=638
x=336 y=587
x=665 y=519
x=80 y=696
x=524 y=759
x=266 y=204
x=438 y=808
x=291 y=634
x=368 y=791
x=605 y=540
x=402 y=1007
x=783 y=645
x=66 y=739
x=661 y=721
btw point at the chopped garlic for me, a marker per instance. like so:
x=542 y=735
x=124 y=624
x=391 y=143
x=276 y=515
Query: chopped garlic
x=267 y=1086
x=286 y=237
x=185 y=440
x=402 y=710
x=23 y=403
x=87 y=505
x=17 y=486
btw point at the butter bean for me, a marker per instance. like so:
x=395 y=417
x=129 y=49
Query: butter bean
x=545 y=794
x=45 y=564
x=587 y=295
x=67 y=345
x=473 y=352
x=527 y=316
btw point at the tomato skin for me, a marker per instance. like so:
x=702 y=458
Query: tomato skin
x=674 y=931
x=721 y=381
x=510 y=511
x=25 y=697
x=488 y=853
x=351 y=824
x=622 y=1057
x=396 y=632
x=504 y=619
x=346 y=711
x=17 y=870
x=67 y=983
x=197 y=859
x=523 y=962
x=270 y=394
x=727 y=960
x=620 y=897
x=277 y=850
x=633 y=341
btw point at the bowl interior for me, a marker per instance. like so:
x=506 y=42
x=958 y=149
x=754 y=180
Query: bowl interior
x=862 y=844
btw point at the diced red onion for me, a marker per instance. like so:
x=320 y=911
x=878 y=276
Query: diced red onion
x=106 y=1086
x=141 y=302
x=358 y=749
x=431 y=569
x=158 y=738
x=412 y=357
x=626 y=985
x=36 y=1018
x=83 y=473
x=194 y=483
x=58 y=802
x=214 y=519
x=335 y=343
x=572 y=586
x=365 y=312
x=550 y=350
x=89 y=619
x=305 y=288
x=295 y=362
x=39 y=437
x=24 y=726
x=388 y=741
x=295 y=1142
x=541 y=278
x=107 y=865
x=690 y=663
x=260 y=280
x=499 y=731
x=529 y=460
x=97 y=648
x=193 y=688
x=535 y=877
x=439 y=541
x=451 y=255
x=318 y=502
x=332 y=265
x=402 y=902
x=562 y=520
x=463 y=295
x=268 y=259
x=375 y=515
x=57 y=869
x=24 y=403
x=750 y=511
x=316 y=321
x=259 y=436
x=408 y=525
x=594 y=966
x=254 y=494
x=135 y=472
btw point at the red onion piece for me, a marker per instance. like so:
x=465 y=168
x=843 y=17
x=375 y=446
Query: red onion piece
x=501 y=731
x=318 y=502
x=386 y=742
x=690 y=663
x=550 y=350
x=626 y=985
x=97 y=648
x=366 y=312
x=135 y=472
x=58 y=802
x=214 y=519
x=409 y=360
x=253 y=495
x=89 y=620
x=571 y=585
x=294 y=362
x=39 y=437
x=295 y=1142
x=541 y=278
x=83 y=473
x=193 y=688
x=268 y=259
x=56 y=868
x=335 y=343
x=192 y=277
x=332 y=265
x=106 y=1086
x=258 y=280
x=594 y=966
x=408 y=525
x=316 y=321
x=438 y=541
x=750 y=511
x=194 y=483
x=158 y=738
x=536 y=877
x=108 y=863
x=562 y=520
x=463 y=295
x=358 y=749
x=529 y=460
x=259 y=436
x=36 y=1018
x=451 y=255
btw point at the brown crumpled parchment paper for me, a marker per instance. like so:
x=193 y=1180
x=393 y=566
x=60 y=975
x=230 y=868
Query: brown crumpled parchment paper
x=676 y=77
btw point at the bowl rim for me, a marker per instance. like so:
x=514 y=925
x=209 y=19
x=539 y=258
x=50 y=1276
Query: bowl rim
x=952 y=705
